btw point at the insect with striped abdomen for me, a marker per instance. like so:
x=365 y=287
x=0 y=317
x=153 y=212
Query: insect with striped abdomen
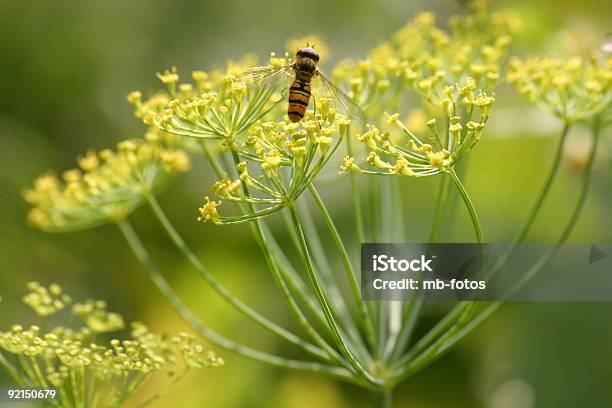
x=305 y=69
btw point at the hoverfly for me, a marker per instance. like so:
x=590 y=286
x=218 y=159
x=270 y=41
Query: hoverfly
x=304 y=68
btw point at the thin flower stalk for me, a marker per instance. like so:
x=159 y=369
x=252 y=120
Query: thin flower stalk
x=284 y=266
x=273 y=265
x=327 y=273
x=150 y=268
x=447 y=337
x=351 y=275
x=338 y=336
x=219 y=288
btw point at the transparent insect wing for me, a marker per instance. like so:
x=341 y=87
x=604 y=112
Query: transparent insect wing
x=266 y=76
x=340 y=100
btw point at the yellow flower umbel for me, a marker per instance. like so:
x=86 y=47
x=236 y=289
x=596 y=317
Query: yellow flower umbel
x=421 y=54
x=213 y=105
x=106 y=187
x=463 y=115
x=83 y=370
x=279 y=161
x=572 y=89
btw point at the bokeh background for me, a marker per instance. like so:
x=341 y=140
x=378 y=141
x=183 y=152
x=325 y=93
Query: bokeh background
x=65 y=67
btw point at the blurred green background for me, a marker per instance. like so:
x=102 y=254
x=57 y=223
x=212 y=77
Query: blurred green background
x=65 y=67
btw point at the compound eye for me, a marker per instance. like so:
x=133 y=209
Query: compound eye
x=308 y=53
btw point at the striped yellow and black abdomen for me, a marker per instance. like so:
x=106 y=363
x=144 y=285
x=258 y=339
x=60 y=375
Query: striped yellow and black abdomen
x=299 y=96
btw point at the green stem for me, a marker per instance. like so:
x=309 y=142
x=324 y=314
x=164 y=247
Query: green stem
x=432 y=335
x=356 y=198
x=409 y=321
x=382 y=398
x=328 y=352
x=547 y=185
x=447 y=322
x=457 y=332
x=384 y=219
x=164 y=390
x=293 y=279
x=451 y=202
x=413 y=308
x=374 y=220
x=399 y=233
x=586 y=183
x=348 y=267
x=211 y=158
x=162 y=285
x=12 y=370
x=468 y=204
x=296 y=282
x=322 y=262
x=340 y=341
x=441 y=199
x=552 y=174
x=221 y=290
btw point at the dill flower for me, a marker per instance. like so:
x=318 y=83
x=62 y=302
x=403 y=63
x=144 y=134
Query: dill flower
x=94 y=314
x=213 y=105
x=464 y=113
x=46 y=301
x=474 y=47
x=106 y=187
x=572 y=89
x=278 y=162
x=83 y=370
x=421 y=55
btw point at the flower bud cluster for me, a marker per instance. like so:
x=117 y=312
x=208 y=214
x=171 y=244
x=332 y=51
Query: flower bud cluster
x=278 y=161
x=84 y=371
x=463 y=113
x=106 y=186
x=572 y=89
x=213 y=105
x=421 y=55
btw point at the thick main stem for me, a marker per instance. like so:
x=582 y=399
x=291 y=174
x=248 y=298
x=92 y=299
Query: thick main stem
x=382 y=398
